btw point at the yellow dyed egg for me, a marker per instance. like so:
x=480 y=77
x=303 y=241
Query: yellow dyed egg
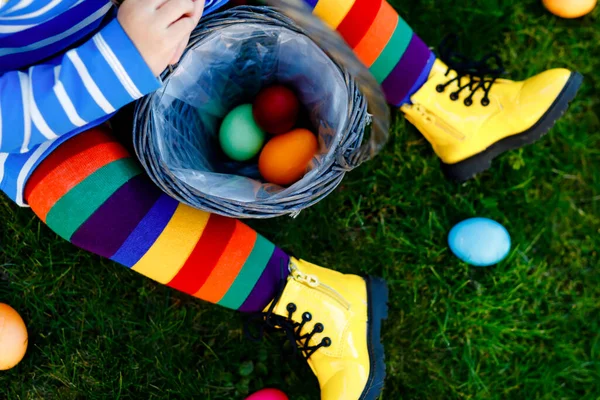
x=570 y=8
x=285 y=158
x=13 y=337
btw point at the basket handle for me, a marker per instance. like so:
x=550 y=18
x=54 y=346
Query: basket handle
x=336 y=48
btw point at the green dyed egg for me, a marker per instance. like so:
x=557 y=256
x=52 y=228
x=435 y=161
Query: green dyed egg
x=241 y=138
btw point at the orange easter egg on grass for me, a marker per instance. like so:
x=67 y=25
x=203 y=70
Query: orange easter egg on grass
x=570 y=8
x=13 y=337
x=285 y=158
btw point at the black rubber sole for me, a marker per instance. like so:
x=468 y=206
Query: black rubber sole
x=467 y=169
x=377 y=292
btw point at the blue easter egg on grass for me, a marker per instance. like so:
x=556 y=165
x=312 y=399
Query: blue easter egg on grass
x=479 y=241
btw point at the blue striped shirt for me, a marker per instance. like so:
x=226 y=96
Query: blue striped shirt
x=65 y=67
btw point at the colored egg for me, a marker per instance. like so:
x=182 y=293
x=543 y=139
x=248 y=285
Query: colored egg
x=13 y=337
x=479 y=241
x=285 y=158
x=268 y=394
x=570 y=8
x=240 y=137
x=276 y=109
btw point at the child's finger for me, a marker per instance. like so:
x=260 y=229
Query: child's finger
x=153 y=4
x=173 y=10
x=199 y=9
x=182 y=28
x=179 y=52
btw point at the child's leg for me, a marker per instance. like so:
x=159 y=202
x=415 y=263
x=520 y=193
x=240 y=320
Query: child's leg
x=397 y=57
x=91 y=192
x=476 y=119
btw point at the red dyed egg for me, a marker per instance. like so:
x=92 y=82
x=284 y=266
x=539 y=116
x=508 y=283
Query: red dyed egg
x=268 y=394
x=276 y=109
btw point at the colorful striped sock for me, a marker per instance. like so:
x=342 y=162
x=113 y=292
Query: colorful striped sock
x=398 y=59
x=91 y=192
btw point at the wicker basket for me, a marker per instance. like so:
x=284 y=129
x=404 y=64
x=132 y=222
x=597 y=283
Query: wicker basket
x=367 y=111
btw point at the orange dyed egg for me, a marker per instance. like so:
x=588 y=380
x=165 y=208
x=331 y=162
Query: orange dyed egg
x=285 y=158
x=13 y=337
x=570 y=8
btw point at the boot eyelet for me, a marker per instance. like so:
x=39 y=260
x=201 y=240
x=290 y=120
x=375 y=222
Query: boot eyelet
x=306 y=316
x=440 y=88
x=291 y=307
x=454 y=96
x=326 y=342
x=485 y=102
x=319 y=327
x=468 y=102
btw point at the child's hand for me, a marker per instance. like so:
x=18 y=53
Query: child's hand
x=160 y=29
x=199 y=4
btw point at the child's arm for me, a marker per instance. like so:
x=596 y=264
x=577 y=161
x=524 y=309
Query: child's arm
x=116 y=66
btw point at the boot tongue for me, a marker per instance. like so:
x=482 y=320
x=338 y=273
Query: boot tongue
x=308 y=331
x=303 y=331
x=440 y=68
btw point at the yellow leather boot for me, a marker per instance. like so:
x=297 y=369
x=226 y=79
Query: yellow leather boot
x=470 y=116
x=335 y=320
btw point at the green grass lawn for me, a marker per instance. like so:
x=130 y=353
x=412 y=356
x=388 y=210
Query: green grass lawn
x=528 y=328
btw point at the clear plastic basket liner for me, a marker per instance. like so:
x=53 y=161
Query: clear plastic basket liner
x=226 y=69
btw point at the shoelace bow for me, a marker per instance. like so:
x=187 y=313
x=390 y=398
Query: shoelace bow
x=481 y=74
x=293 y=330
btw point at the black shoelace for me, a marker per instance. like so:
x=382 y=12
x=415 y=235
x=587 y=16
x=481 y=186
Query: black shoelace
x=480 y=74
x=293 y=330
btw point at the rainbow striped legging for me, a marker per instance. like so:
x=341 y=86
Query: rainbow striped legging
x=92 y=192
